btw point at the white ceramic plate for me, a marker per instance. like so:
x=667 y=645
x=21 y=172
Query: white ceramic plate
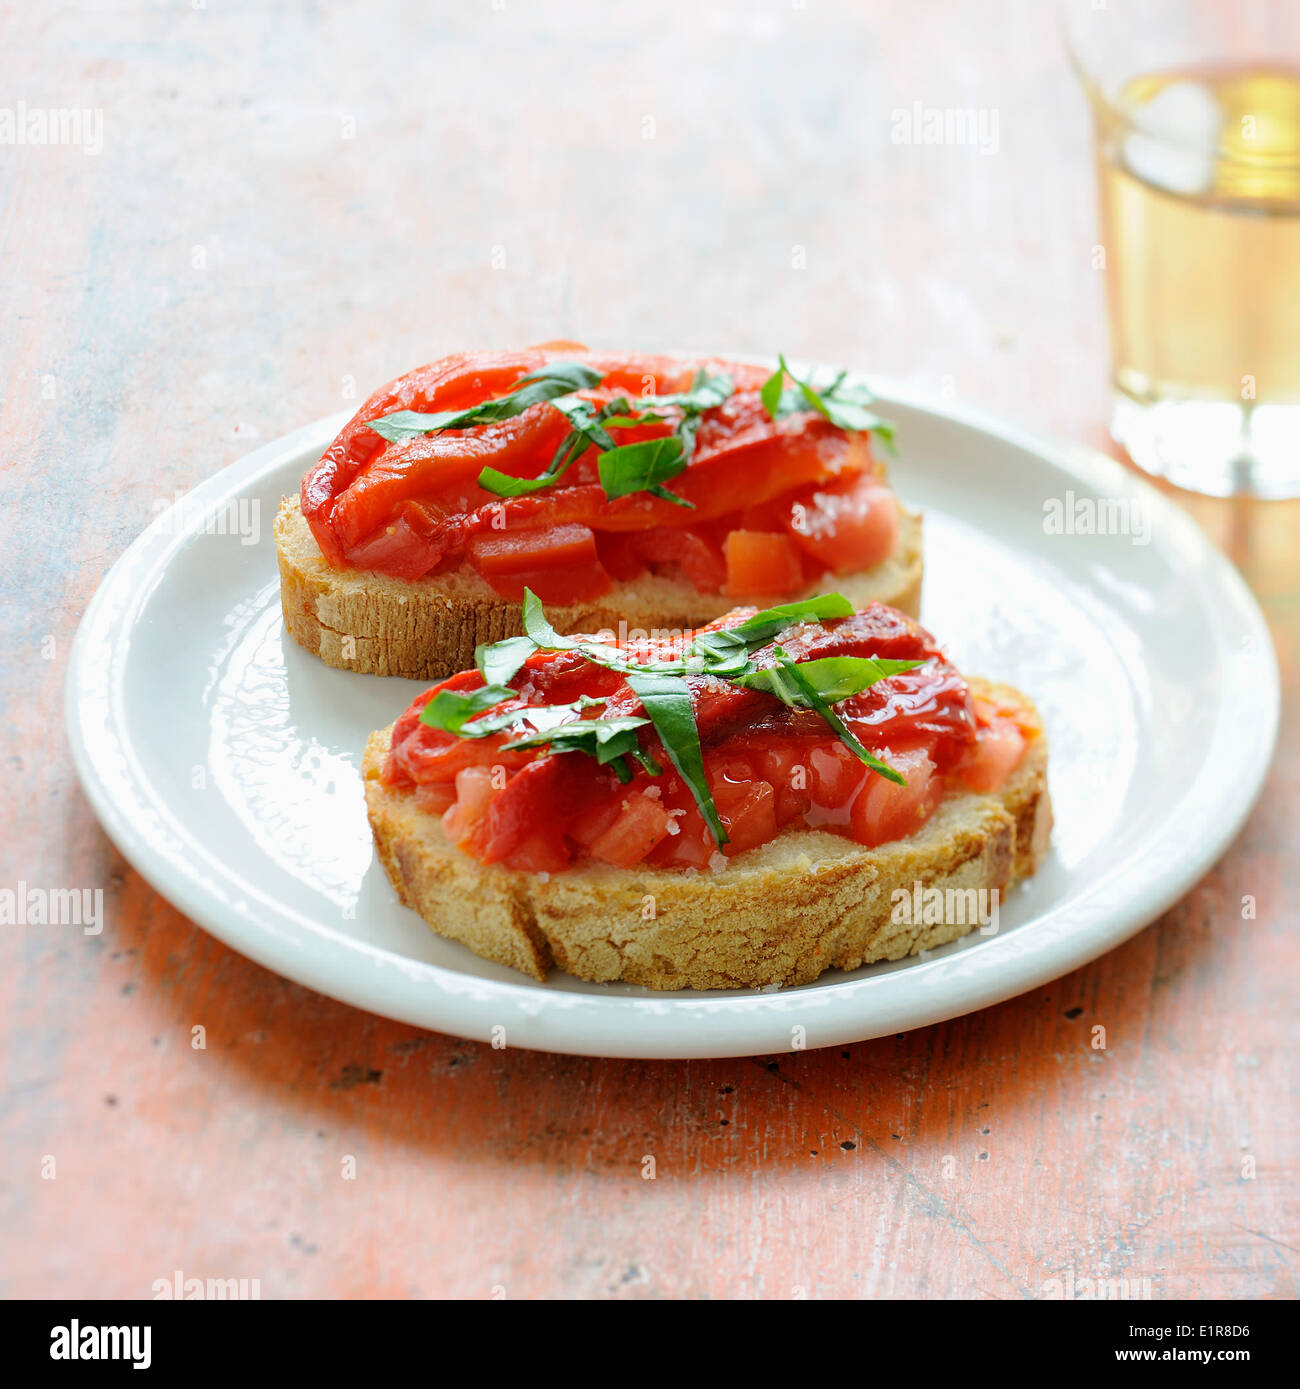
x=223 y=760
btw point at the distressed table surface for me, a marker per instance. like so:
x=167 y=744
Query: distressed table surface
x=285 y=206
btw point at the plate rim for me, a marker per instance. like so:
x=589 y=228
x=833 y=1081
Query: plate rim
x=678 y=1027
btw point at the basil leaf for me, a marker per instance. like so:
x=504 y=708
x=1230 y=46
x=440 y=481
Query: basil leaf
x=449 y=710
x=843 y=403
x=588 y=431
x=834 y=677
x=499 y=662
x=770 y=395
x=770 y=621
x=557 y=379
x=706 y=393
x=603 y=739
x=631 y=421
x=572 y=376
x=642 y=467
x=540 y=632
x=542 y=717
x=723 y=648
x=792 y=671
x=507 y=485
x=667 y=700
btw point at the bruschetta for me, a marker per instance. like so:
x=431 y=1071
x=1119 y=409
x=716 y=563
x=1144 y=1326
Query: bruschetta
x=744 y=805
x=647 y=491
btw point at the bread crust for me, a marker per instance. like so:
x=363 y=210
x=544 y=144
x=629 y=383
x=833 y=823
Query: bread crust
x=781 y=914
x=430 y=628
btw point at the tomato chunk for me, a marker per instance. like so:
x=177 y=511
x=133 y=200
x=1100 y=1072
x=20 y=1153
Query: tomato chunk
x=641 y=824
x=997 y=751
x=473 y=796
x=847 y=530
x=559 y=563
x=761 y=562
x=884 y=811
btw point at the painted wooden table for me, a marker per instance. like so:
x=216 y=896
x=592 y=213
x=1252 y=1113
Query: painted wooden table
x=264 y=212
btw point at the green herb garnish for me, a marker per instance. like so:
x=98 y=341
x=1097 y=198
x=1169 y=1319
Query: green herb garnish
x=588 y=429
x=725 y=653
x=721 y=648
x=667 y=700
x=833 y=678
x=843 y=403
x=547 y=383
x=499 y=662
x=450 y=710
x=793 y=671
x=643 y=466
x=607 y=740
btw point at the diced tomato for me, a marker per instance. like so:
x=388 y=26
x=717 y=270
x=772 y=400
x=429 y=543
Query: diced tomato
x=559 y=563
x=641 y=823
x=588 y=825
x=784 y=766
x=618 y=554
x=539 y=853
x=761 y=562
x=539 y=799
x=750 y=819
x=691 y=846
x=549 y=547
x=698 y=562
x=991 y=759
x=474 y=792
x=847 y=530
x=884 y=811
x=553 y=585
x=834 y=776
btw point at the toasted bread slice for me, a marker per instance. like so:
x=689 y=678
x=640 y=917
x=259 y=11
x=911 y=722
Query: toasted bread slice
x=781 y=914
x=427 y=629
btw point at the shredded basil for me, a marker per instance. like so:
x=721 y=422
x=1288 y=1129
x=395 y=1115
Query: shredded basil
x=793 y=672
x=642 y=466
x=667 y=700
x=547 y=383
x=607 y=740
x=834 y=677
x=499 y=662
x=724 y=653
x=843 y=403
x=450 y=710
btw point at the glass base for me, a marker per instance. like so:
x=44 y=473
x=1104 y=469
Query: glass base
x=1216 y=447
